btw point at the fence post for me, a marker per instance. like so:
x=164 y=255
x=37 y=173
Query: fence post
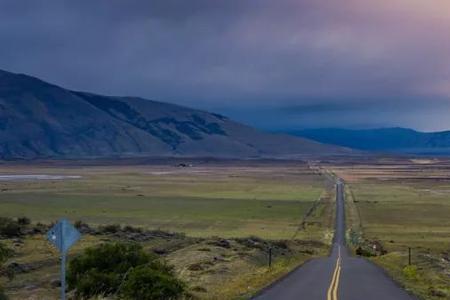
x=270 y=257
x=409 y=256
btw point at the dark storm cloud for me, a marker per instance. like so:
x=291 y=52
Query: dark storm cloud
x=272 y=63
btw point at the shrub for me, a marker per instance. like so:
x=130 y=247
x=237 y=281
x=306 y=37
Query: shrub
x=152 y=282
x=10 y=228
x=40 y=228
x=112 y=228
x=4 y=253
x=131 y=229
x=79 y=224
x=104 y=269
x=23 y=221
x=100 y=270
x=363 y=252
x=410 y=272
x=83 y=227
x=2 y=294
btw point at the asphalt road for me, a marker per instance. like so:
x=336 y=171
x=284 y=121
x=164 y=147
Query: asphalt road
x=339 y=276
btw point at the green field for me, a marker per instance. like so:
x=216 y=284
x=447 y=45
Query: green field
x=234 y=201
x=200 y=202
x=400 y=207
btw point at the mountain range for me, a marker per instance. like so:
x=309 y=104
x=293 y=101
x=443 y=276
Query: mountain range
x=42 y=120
x=391 y=140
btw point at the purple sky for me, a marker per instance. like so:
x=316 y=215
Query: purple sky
x=275 y=64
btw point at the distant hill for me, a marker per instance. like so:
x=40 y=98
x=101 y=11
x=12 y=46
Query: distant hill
x=399 y=140
x=42 y=120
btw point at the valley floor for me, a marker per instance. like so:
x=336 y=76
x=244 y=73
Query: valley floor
x=214 y=222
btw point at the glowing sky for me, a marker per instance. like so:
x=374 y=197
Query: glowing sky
x=275 y=64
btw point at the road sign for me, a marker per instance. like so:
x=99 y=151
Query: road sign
x=63 y=236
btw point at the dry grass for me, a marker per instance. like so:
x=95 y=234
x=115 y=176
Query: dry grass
x=266 y=200
x=404 y=203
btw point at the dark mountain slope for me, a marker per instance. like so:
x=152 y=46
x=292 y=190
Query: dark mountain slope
x=38 y=119
x=385 y=139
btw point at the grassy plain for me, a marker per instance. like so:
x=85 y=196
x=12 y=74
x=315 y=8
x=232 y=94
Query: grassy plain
x=199 y=201
x=401 y=204
x=206 y=202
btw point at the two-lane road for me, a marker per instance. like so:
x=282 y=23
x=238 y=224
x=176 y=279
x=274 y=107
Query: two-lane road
x=339 y=276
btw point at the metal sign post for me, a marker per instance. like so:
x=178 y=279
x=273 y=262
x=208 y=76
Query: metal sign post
x=63 y=236
x=63 y=276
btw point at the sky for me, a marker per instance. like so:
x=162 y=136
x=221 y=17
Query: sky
x=277 y=65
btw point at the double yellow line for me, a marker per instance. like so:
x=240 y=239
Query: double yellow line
x=334 y=285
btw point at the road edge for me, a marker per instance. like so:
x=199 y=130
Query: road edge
x=281 y=278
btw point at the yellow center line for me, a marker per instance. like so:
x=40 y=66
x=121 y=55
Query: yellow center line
x=336 y=286
x=330 y=289
x=333 y=289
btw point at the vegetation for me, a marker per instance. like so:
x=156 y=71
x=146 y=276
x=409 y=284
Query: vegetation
x=154 y=281
x=394 y=206
x=2 y=294
x=10 y=228
x=198 y=218
x=23 y=221
x=124 y=269
x=222 y=201
x=5 y=252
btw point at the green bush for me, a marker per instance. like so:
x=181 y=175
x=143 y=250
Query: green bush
x=111 y=228
x=80 y=224
x=10 y=228
x=100 y=270
x=2 y=294
x=104 y=269
x=5 y=252
x=131 y=229
x=23 y=221
x=363 y=252
x=410 y=272
x=152 y=282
